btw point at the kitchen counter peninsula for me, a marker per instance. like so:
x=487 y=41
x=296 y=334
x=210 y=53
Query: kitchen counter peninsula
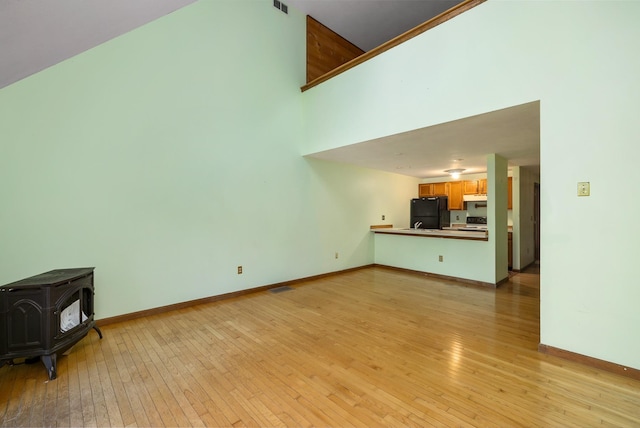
x=449 y=253
x=436 y=233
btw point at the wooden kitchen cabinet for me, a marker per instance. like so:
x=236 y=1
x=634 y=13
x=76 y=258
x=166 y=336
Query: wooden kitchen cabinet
x=475 y=187
x=425 y=190
x=479 y=187
x=441 y=189
x=482 y=186
x=433 y=189
x=451 y=189
x=455 y=196
x=470 y=187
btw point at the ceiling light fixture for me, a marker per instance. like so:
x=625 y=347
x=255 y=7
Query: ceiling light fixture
x=455 y=173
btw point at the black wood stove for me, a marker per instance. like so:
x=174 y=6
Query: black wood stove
x=45 y=315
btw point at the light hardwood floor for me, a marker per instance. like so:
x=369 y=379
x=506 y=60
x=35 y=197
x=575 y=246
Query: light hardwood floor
x=372 y=347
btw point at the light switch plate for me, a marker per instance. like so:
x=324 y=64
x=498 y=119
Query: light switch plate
x=583 y=188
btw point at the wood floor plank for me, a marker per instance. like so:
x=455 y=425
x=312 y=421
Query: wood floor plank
x=367 y=348
x=90 y=412
x=99 y=403
x=140 y=379
x=178 y=405
x=9 y=394
x=49 y=414
x=163 y=400
x=126 y=368
x=112 y=378
x=105 y=397
x=61 y=383
x=24 y=413
x=39 y=402
x=75 y=393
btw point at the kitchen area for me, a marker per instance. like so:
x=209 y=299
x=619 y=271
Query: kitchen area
x=453 y=230
x=485 y=150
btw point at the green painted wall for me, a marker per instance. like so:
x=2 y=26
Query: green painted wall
x=147 y=156
x=580 y=60
x=497 y=214
x=171 y=155
x=461 y=258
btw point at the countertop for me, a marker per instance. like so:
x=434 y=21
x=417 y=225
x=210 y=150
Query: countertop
x=436 y=233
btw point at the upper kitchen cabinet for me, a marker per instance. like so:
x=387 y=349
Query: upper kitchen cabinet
x=475 y=187
x=433 y=189
x=455 y=195
x=455 y=190
x=452 y=190
x=470 y=187
x=441 y=189
x=425 y=190
x=482 y=186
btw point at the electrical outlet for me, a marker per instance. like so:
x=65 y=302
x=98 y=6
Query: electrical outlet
x=583 y=188
x=336 y=254
x=383 y=216
x=440 y=258
x=239 y=270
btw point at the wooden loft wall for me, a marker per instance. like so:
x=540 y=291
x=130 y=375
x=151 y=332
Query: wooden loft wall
x=341 y=67
x=326 y=50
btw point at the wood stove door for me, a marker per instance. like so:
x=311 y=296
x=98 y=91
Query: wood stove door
x=25 y=321
x=73 y=309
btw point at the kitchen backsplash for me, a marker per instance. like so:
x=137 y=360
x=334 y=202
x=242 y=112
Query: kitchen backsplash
x=472 y=211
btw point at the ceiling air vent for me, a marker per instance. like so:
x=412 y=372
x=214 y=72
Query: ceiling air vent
x=281 y=6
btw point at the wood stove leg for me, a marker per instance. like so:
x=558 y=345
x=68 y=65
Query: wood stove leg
x=95 y=327
x=49 y=362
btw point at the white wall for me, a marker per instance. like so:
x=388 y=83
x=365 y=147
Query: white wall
x=580 y=60
x=171 y=155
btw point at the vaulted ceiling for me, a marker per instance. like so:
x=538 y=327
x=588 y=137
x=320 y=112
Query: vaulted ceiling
x=36 y=34
x=370 y=23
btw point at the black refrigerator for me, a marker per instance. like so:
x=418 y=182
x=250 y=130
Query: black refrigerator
x=429 y=213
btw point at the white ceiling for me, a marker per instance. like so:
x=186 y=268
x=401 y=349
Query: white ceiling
x=36 y=34
x=513 y=133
